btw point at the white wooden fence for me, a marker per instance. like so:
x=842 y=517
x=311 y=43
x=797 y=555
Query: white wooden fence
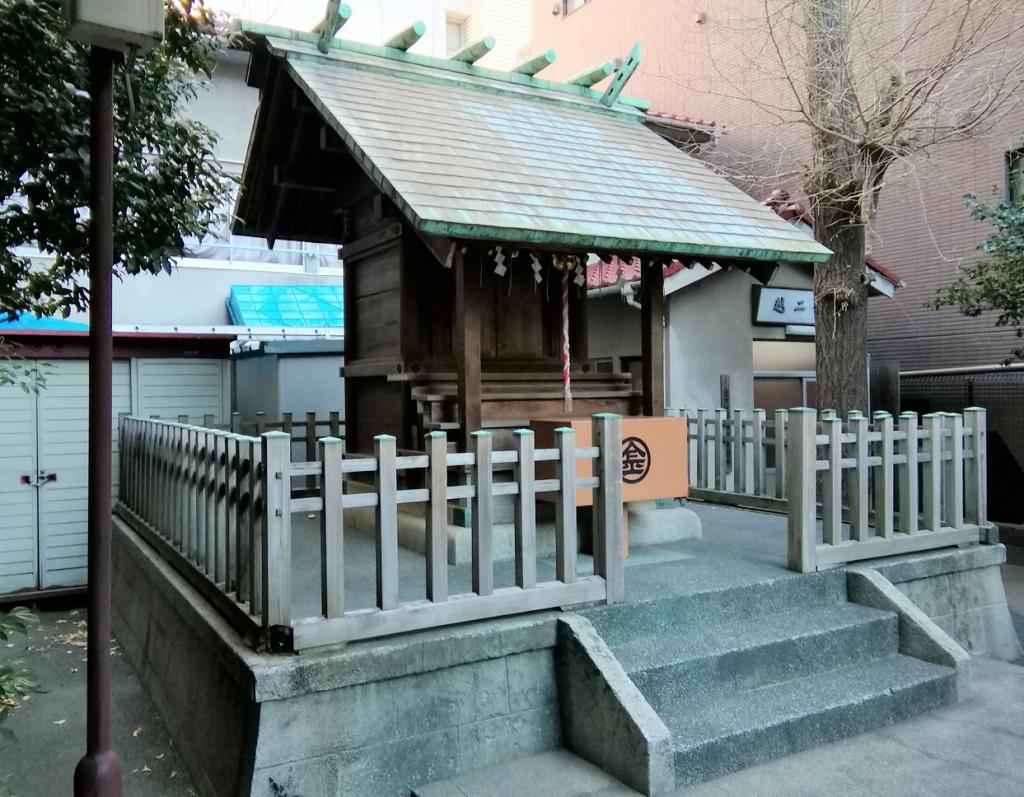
x=741 y=452
x=218 y=506
x=884 y=488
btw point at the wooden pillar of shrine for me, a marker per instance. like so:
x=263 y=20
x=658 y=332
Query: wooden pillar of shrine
x=652 y=332
x=466 y=339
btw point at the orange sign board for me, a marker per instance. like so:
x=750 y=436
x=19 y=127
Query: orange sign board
x=654 y=461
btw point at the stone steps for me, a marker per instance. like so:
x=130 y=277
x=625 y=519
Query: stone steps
x=747 y=674
x=753 y=653
x=663 y=617
x=752 y=727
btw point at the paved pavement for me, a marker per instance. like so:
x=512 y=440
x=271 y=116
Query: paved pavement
x=50 y=728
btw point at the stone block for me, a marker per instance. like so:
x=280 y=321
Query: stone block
x=318 y=723
x=390 y=770
x=919 y=635
x=500 y=739
x=453 y=696
x=531 y=680
x=605 y=718
x=315 y=776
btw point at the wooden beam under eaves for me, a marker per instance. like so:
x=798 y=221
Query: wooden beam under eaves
x=622 y=76
x=289 y=178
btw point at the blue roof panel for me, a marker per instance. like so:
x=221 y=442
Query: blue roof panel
x=287 y=305
x=27 y=321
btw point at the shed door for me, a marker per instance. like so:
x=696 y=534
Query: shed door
x=63 y=445
x=18 y=508
x=168 y=388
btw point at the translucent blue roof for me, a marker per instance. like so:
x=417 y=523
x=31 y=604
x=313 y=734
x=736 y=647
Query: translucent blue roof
x=27 y=321
x=286 y=305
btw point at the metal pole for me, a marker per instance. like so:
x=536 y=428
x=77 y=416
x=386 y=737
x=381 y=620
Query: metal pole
x=98 y=774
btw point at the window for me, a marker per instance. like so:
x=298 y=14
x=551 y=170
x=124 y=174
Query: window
x=1015 y=175
x=455 y=35
x=568 y=6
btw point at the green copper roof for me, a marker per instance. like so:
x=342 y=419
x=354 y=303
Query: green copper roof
x=469 y=153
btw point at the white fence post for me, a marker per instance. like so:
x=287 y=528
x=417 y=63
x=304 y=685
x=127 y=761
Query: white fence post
x=801 y=489
x=720 y=449
x=832 y=492
x=607 y=436
x=739 y=448
x=702 y=477
x=482 y=511
x=857 y=486
x=757 y=428
x=526 y=511
x=975 y=484
x=386 y=522
x=909 y=483
x=781 y=424
x=566 y=545
x=332 y=529
x=883 y=474
x=953 y=477
x=931 y=472
x=437 y=517
x=277 y=529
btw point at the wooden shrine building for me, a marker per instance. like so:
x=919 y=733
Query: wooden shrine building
x=466 y=202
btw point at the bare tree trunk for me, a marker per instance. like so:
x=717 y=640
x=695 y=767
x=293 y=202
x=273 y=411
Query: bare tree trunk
x=841 y=313
x=840 y=184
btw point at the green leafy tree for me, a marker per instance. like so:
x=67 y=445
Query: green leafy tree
x=168 y=185
x=15 y=680
x=996 y=282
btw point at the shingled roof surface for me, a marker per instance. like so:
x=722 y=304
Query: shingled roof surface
x=468 y=154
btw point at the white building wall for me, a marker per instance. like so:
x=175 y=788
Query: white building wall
x=509 y=22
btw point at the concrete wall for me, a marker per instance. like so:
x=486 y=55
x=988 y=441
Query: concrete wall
x=312 y=383
x=962 y=591
x=374 y=719
x=709 y=335
x=297 y=383
x=256 y=386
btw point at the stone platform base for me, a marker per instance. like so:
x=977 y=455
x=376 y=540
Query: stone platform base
x=962 y=591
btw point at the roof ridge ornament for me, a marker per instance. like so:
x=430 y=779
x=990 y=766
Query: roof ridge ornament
x=622 y=77
x=591 y=75
x=407 y=37
x=335 y=16
x=535 y=63
x=473 y=51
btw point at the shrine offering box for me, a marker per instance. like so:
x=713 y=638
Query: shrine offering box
x=654 y=461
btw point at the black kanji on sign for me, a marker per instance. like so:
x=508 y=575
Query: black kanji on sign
x=636 y=460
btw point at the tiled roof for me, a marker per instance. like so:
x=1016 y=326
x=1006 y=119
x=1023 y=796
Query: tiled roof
x=616 y=271
x=473 y=154
x=791 y=210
